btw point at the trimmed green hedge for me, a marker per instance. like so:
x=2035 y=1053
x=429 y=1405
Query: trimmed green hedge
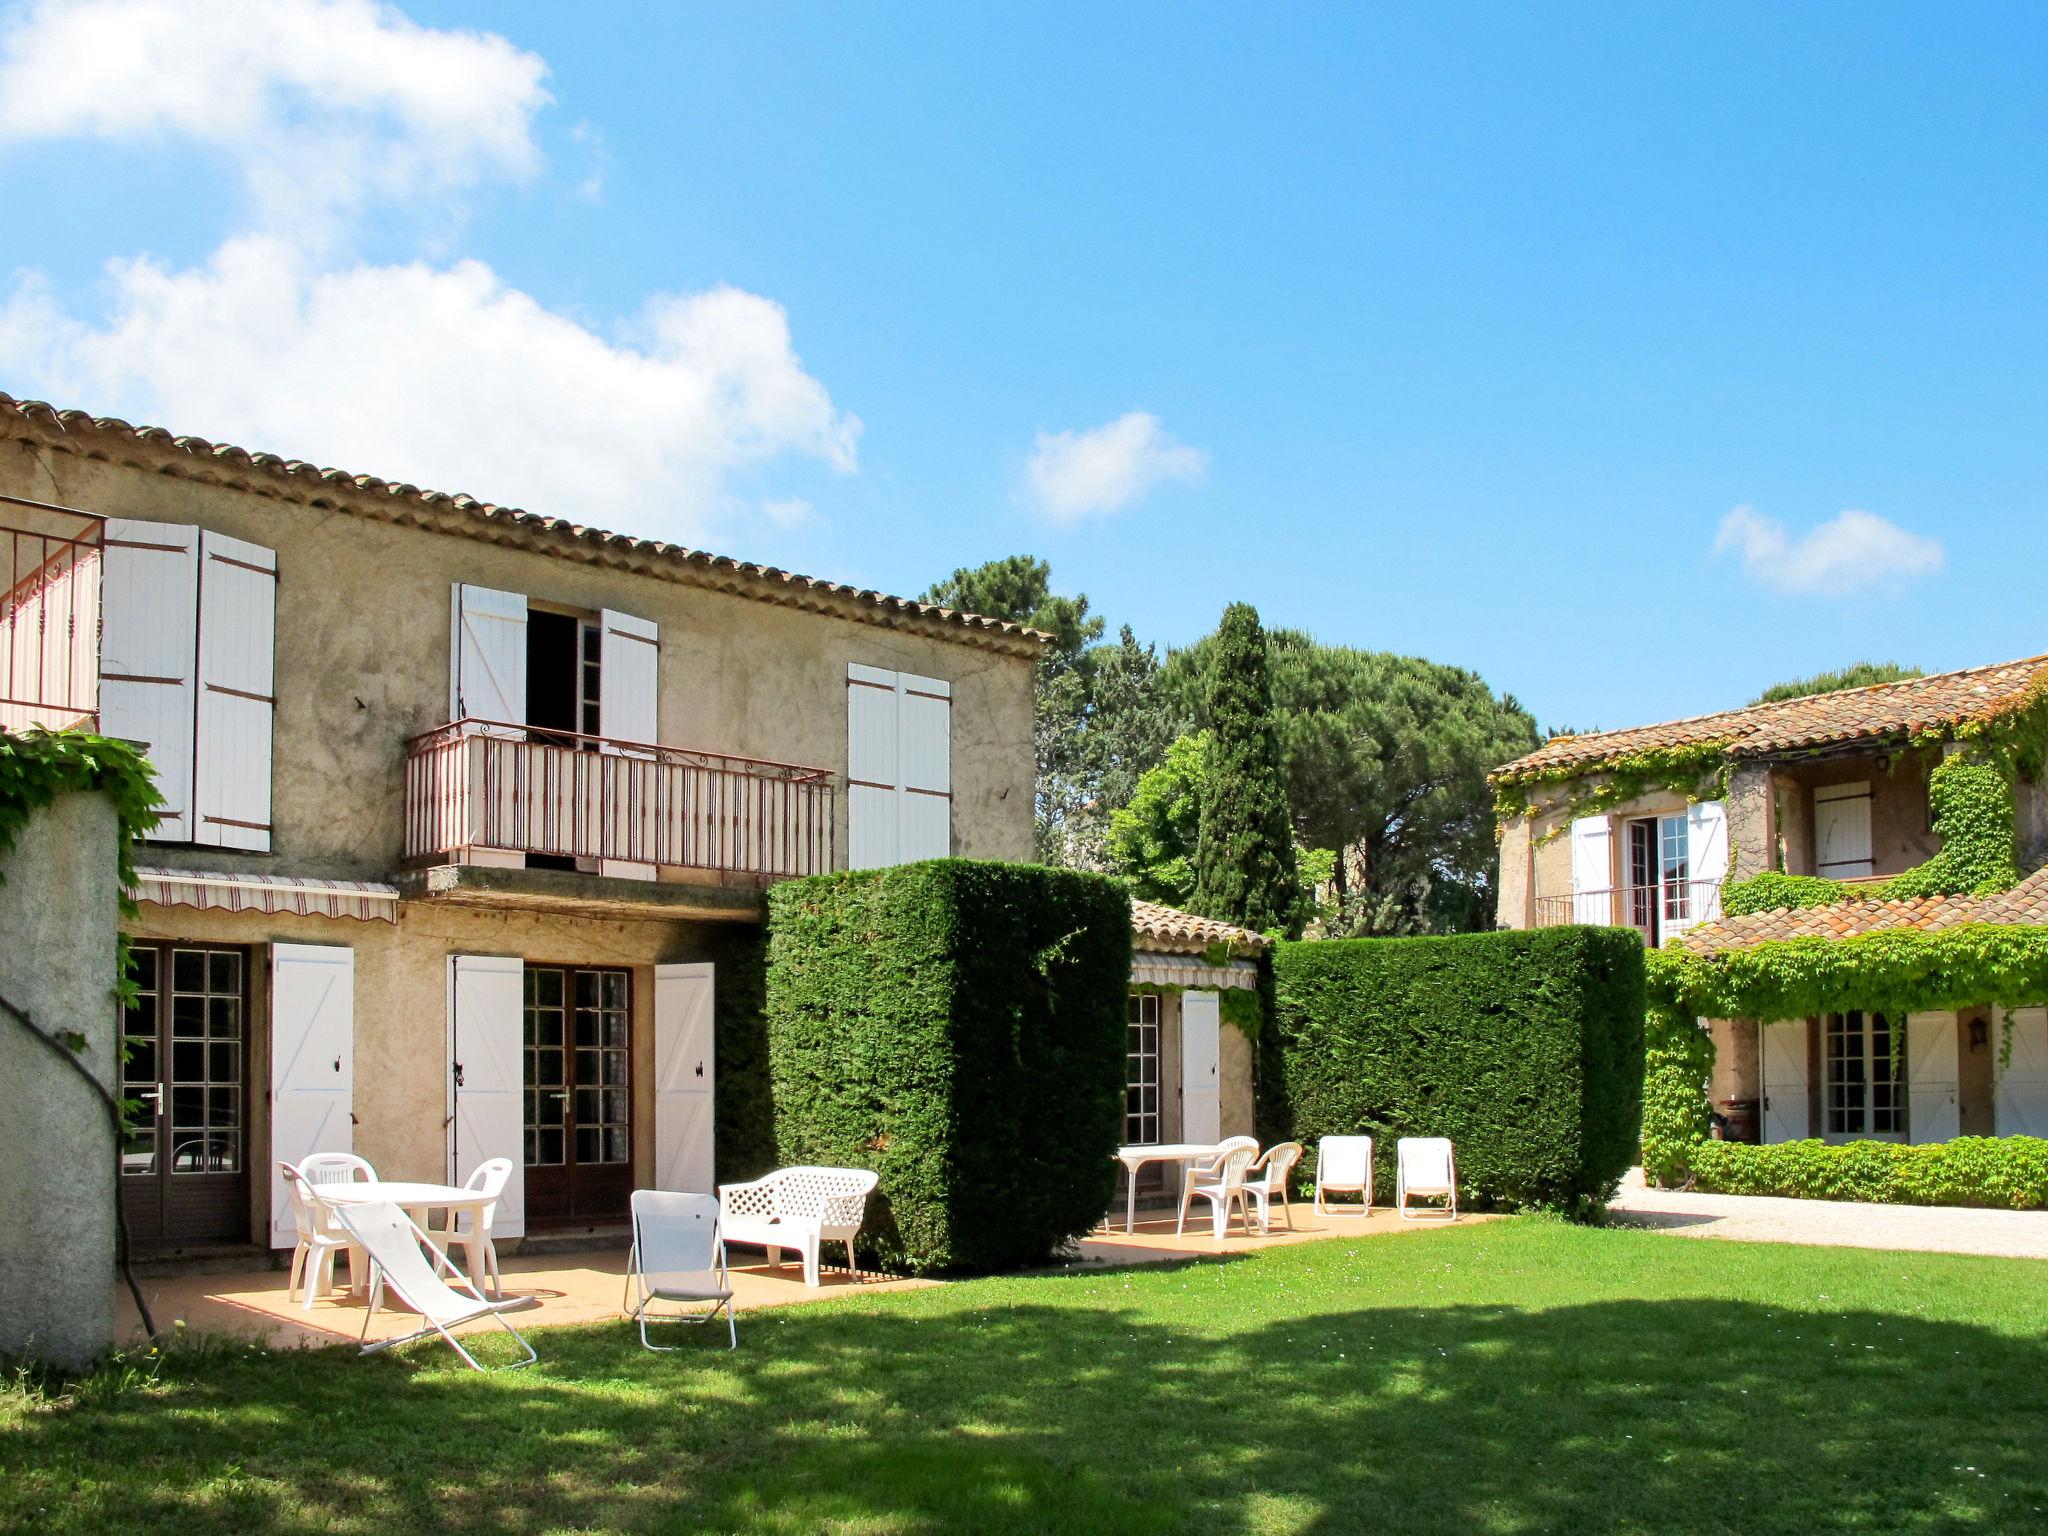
x=959 y=1027
x=2001 y=1172
x=1526 y=1049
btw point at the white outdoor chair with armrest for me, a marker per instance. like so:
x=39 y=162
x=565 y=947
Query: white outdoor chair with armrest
x=797 y=1208
x=337 y=1168
x=1344 y=1166
x=1268 y=1177
x=678 y=1256
x=478 y=1251
x=320 y=1238
x=1424 y=1166
x=405 y=1262
x=1226 y=1186
x=1208 y=1173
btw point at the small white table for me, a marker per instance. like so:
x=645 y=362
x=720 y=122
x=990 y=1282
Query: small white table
x=1185 y=1153
x=415 y=1199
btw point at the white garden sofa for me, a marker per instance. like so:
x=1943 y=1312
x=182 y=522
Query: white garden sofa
x=797 y=1208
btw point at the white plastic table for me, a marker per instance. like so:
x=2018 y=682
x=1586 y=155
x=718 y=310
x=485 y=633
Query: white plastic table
x=1185 y=1153
x=415 y=1199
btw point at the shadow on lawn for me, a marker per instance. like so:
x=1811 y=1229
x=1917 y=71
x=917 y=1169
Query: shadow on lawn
x=1667 y=1415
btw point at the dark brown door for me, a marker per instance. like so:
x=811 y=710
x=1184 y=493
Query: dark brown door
x=579 y=1098
x=185 y=1166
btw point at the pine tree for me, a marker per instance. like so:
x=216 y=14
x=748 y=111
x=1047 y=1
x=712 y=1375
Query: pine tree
x=1244 y=856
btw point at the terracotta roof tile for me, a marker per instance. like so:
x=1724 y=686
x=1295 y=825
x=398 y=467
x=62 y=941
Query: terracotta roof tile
x=1938 y=703
x=1158 y=927
x=104 y=436
x=2025 y=904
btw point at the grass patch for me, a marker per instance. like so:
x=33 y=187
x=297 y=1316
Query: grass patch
x=1518 y=1376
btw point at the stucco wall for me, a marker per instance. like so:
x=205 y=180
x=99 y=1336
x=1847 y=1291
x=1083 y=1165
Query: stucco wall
x=57 y=1158
x=362 y=663
x=1899 y=834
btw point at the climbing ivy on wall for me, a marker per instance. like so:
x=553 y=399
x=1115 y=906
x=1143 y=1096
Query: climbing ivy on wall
x=1678 y=1057
x=1974 y=812
x=1698 y=771
x=1237 y=1005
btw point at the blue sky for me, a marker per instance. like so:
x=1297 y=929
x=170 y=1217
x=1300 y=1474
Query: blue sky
x=1457 y=331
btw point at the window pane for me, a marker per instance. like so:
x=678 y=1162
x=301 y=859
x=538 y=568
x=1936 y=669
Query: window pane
x=188 y=970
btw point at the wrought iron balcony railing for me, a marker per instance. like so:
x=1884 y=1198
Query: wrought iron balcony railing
x=1655 y=911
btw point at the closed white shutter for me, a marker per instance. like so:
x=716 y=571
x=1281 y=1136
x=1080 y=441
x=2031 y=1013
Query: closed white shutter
x=1932 y=1109
x=1841 y=831
x=685 y=1076
x=872 y=773
x=312 y=1063
x=628 y=686
x=237 y=631
x=1706 y=842
x=2022 y=1098
x=1201 y=1080
x=1787 y=1114
x=1592 y=870
x=924 y=718
x=487 y=678
x=149 y=602
x=486 y=1004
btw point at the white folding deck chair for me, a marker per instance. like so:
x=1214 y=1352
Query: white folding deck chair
x=399 y=1261
x=677 y=1256
x=1344 y=1166
x=1423 y=1166
x=1208 y=1174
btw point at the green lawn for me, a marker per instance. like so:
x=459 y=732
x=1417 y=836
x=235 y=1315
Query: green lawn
x=1510 y=1377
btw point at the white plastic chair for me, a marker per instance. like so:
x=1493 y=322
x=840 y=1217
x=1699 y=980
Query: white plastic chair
x=480 y=1254
x=1201 y=1175
x=1227 y=1187
x=1268 y=1177
x=404 y=1261
x=677 y=1256
x=799 y=1209
x=1424 y=1167
x=319 y=1239
x=1344 y=1166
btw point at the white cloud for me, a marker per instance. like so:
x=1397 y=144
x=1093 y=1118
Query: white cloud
x=1107 y=468
x=1849 y=552
x=789 y=511
x=322 y=105
x=443 y=376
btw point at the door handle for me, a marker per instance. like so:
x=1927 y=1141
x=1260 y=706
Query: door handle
x=458 y=1074
x=700 y=1069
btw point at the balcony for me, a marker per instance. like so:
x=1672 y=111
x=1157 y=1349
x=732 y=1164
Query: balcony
x=49 y=617
x=483 y=792
x=1655 y=911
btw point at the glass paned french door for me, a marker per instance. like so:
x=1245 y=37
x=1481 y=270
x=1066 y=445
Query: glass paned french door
x=1864 y=1092
x=1141 y=1081
x=579 y=1102
x=1659 y=876
x=184 y=1162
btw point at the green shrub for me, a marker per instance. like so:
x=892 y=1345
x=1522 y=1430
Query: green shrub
x=1771 y=890
x=745 y=1099
x=2002 y=1172
x=1678 y=1058
x=1526 y=1049
x=958 y=1027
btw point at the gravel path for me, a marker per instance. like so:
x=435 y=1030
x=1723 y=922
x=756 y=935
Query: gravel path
x=1834 y=1223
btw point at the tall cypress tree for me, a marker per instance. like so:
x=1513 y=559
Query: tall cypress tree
x=1244 y=855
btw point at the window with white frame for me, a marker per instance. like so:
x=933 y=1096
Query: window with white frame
x=1863 y=1084
x=1141 y=1078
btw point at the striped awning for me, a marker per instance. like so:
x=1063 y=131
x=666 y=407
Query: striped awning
x=298 y=895
x=1164 y=970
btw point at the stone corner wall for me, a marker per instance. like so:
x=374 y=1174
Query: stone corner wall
x=59 y=911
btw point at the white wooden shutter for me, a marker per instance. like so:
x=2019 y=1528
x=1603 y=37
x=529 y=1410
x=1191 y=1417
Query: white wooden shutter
x=1201 y=1081
x=1593 y=870
x=149 y=601
x=486 y=1004
x=487 y=675
x=872 y=767
x=312 y=1063
x=1841 y=831
x=2022 y=1098
x=1932 y=1068
x=629 y=653
x=685 y=1076
x=924 y=731
x=1706 y=845
x=231 y=755
x=1787 y=1114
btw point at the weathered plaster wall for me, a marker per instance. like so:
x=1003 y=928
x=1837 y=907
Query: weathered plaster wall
x=362 y=664
x=58 y=908
x=1899 y=834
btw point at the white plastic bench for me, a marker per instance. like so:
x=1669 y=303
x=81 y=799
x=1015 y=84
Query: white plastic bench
x=797 y=1208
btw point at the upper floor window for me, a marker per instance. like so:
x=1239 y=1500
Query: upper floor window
x=1665 y=876
x=899 y=773
x=1841 y=831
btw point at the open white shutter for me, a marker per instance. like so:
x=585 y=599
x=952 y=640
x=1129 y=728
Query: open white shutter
x=488 y=658
x=685 y=1075
x=1787 y=1115
x=629 y=652
x=2022 y=1097
x=312 y=1063
x=1593 y=870
x=1841 y=831
x=1933 y=1112
x=237 y=631
x=1706 y=844
x=1201 y=1079
x=149 y=616
x=924 y=717
x=872 y=767
x=486 y=1003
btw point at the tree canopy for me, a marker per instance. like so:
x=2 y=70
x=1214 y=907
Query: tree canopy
x=1858 y=674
